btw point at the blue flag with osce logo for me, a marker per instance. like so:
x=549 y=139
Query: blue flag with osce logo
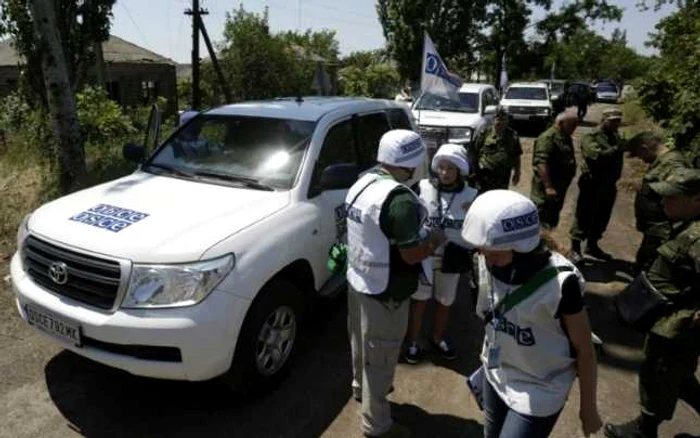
x=435 y=78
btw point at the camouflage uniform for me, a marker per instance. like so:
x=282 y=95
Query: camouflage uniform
x=601 y=168
x=495 y=157
x=651 y=219
x=556 y=150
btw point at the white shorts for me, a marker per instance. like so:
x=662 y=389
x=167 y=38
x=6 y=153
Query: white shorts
x=443 y=289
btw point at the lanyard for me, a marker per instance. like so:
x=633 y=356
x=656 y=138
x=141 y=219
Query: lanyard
x=495 y=317
x=439 y=206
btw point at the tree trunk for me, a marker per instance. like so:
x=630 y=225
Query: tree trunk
x=61 y=101
x=99 y=64
x=499 y=66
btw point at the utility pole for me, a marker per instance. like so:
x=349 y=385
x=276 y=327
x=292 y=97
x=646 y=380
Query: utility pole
x=196 y=12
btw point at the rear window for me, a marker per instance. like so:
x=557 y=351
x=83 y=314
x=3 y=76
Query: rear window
x=527 y=93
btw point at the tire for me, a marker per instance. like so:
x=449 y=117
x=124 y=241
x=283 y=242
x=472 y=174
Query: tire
x=269 y=339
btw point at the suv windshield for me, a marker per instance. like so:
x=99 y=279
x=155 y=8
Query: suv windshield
x=527 y=93
x=607 y=89
x=468 y=103
x=257 y=151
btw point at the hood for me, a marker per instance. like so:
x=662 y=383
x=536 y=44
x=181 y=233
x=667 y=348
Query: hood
x=150 y=218
x=525 y=102
x=446 y=118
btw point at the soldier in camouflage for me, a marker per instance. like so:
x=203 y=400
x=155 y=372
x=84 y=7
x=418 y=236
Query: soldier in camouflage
x=649 y=214
x=601 y=168
x=554 y=168
x=672 y=348
x=496 y=157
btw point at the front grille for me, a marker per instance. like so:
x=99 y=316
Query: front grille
x=434 y=135
x=526 y=110
x=89 y=279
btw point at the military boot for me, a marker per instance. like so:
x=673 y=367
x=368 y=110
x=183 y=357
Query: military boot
x=643 y=426
x=575 y=253
x=593 y=250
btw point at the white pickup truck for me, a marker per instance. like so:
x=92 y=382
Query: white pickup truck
x=203 y=262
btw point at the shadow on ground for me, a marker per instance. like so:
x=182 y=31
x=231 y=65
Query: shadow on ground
x=99 y=401
x=424 y=424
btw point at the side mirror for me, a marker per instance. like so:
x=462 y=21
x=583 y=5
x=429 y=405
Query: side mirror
x=134 y=153
x=490 y=109
x=339 y=176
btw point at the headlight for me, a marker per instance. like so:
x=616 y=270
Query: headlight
x=23 y=231
x=506 y=108
x=544 y=111
x=175 y=285
x=459 y=135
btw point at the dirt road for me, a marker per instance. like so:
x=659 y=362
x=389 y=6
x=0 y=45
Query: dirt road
x=47 y=392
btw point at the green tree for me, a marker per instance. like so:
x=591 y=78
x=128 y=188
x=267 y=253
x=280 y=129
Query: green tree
x=671 y=90
x=378 y=80
x=81 y=25
x=453 y=26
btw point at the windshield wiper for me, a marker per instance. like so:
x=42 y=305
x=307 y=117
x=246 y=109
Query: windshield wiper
x=247 y=181
x=171 y=169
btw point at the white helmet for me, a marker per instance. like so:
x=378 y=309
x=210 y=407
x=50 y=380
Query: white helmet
x=401 y=148
x=453 y=153
x=502 y=220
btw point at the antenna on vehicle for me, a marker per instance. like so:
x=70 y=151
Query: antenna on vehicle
x=299 y=100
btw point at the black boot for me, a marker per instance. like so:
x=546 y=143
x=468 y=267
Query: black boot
x=593 y=250
x=644 y=426
x=575 y=255
x=690 y=393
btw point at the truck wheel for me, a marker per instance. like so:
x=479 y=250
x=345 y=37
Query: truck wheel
x=268 y=340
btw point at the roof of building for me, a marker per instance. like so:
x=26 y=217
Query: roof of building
x=310 y=108
x=116 y=50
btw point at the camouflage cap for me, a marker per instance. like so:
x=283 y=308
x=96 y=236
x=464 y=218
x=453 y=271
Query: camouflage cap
x=612 y=114
x=683 y=181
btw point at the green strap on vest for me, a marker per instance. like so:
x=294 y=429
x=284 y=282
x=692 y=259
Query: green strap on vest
x=527 y=289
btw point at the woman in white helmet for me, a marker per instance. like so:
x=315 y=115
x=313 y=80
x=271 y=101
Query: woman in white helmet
x=447 y=198
x=537 y=335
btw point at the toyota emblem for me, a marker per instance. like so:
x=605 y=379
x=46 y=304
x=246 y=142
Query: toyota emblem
x=58 y=271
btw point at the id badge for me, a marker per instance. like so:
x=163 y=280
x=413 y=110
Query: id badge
x=493 y=357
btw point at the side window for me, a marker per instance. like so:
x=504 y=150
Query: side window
x=399 y=119
x=370 y=129
x=338 y=147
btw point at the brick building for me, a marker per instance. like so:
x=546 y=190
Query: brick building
x=134 y=76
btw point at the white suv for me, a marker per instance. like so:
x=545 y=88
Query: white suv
x=528 y=102
x=442 y=120
x=203 y=262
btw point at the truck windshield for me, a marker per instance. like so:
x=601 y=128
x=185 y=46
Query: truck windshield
x=468 y=103
x=264 y=151
x=527 y=93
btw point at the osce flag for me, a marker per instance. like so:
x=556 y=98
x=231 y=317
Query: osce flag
x=435 y=79
x=503 y=82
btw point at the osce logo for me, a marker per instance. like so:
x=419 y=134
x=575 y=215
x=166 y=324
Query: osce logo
x=109 y=217
x=519 y=222
x=412 y=146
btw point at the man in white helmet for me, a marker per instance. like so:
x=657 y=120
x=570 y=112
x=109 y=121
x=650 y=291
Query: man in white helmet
x=537 y=335
x=385 y=250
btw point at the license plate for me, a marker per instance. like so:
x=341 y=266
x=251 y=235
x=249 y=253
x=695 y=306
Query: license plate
x=521 y=116
x=58 y=327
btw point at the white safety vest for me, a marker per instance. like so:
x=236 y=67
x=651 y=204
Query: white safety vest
x=368 y=247
x=536 y=365
x=451 y=204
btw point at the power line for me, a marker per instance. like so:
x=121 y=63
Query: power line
x=143 y=37
x=336 y=9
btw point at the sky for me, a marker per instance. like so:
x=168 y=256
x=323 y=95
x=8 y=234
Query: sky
x=162 y=27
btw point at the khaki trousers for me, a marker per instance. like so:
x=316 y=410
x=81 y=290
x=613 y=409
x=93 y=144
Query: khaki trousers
x=376 y=331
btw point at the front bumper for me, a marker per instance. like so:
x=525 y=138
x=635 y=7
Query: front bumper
x=205 y=335
x=517 y=117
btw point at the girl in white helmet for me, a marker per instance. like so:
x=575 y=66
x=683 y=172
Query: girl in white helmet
x=447 y=198
x=537 y=335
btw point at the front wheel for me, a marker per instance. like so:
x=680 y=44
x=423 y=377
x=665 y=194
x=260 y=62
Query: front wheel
x=268 y=340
